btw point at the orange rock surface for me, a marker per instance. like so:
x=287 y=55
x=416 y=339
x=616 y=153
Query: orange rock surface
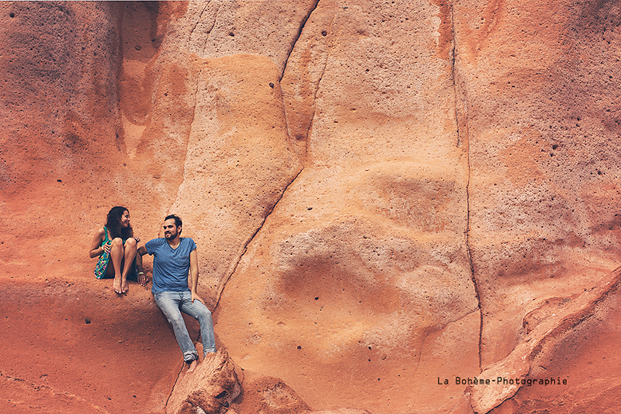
x=390 y=199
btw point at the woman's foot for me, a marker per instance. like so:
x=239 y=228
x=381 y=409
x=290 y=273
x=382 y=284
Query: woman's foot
x=124 y=286
x=117 y=285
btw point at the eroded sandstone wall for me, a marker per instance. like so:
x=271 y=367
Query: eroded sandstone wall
x=383 y=193
x=61 y=133
x=361 y=272
x=543 y=121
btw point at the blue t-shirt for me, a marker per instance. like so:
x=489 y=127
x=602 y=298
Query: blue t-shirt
x=170 y=266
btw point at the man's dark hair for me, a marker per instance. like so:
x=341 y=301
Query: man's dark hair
x=177 y=219
x=113 y=224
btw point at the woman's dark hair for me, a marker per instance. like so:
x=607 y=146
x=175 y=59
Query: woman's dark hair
x=113 y=224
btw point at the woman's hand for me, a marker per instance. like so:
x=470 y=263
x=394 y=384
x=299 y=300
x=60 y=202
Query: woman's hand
x=106 y=248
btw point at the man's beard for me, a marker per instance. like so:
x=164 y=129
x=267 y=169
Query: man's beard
x=170 y=236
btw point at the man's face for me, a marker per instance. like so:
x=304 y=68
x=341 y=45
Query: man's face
x=170 y=229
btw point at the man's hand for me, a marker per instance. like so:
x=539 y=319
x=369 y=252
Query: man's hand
x=195 y=296
x=142 y=279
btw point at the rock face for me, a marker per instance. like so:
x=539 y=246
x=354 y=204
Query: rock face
x=386 y=196
x=543 y=124
x=269 y=395
x=361 y=274
x=211 y=387
x=73 y=347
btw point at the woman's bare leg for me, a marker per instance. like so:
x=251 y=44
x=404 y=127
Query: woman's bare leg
x=130 y=255
x=110 y=270
x=116 y=255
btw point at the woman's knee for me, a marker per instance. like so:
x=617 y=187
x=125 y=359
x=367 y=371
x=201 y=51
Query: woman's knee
x=130 y=243
x=117 y=242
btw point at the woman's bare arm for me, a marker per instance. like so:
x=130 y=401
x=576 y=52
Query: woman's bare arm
x=96 y=249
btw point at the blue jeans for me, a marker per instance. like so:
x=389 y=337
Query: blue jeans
x=172 y=304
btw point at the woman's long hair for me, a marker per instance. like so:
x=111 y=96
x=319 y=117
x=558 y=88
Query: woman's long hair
x=113 y=224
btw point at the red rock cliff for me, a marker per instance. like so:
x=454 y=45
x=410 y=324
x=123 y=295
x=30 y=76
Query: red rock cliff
x=385 y=195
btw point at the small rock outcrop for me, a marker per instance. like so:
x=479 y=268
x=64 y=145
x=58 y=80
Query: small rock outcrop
x=211 y=387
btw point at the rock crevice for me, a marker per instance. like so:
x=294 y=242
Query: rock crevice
x=312 y=8
x=251 y=238
x=461 y=118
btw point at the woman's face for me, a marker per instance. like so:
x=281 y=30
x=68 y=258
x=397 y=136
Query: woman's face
x=125 y=219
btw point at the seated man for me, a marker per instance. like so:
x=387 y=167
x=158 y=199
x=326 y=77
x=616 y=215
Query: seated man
x=174 y=258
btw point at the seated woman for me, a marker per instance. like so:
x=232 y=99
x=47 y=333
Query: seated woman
x=117 y=239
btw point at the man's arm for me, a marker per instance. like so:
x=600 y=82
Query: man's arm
x=141 y=251
x=193 y=277
x=142 y=278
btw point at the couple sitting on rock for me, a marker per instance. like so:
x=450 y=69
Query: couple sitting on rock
x=175 y=274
